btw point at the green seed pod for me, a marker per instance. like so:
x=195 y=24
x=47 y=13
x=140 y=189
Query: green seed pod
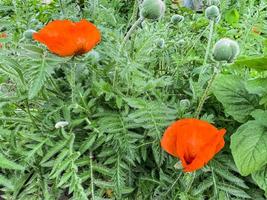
x=152 y=9
x=161 y=43
x=176 y=19
x=28 y=33
x=226 y=50
x=212 y=12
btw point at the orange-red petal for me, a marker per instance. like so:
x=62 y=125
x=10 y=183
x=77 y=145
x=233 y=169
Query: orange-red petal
x=194 y=141
x=67 y=38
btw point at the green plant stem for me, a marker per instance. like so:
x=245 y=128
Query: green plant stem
x=209 y=42
x=92 y=177
x=61 y=7
x=94 y=8
x=132 y=29
x=30 y=114
x=135 y=13
x=206 y=92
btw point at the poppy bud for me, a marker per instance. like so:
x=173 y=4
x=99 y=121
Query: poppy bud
x=161 y=43
x=61 y=124
x=184 y=103
x=176 y=19
x=181 y=42
x=212 y=12
x=152 y=9
x=28 y=33
x=226 y=50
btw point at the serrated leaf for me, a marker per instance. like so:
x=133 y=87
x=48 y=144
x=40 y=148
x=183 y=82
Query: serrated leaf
x=5 y=182
x=38 y=80
x=231 y=92
x=249 y=147
x=9 y=164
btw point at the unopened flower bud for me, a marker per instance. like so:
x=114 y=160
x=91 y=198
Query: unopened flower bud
x=28 y=33
x=152 y=9
x=226 y=50
x=61 y=124
x=212 y=12
x=176 y=19
x=161 y=43
x=184 y=103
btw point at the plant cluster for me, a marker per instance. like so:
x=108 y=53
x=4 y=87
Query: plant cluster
x=90 y=126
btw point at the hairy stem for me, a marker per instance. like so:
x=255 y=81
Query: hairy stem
x=92 y=177
x=94 y=8
x=209 y=42
x=61 y=7
x=206 y=92
x=30 y=114
x=135 y=13
x=132 y=29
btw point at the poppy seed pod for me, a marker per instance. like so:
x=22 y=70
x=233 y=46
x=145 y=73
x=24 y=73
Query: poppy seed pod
x=28 y=33
x=226 y=50
x=212 y=12
x=152 y=9
x=176 y=19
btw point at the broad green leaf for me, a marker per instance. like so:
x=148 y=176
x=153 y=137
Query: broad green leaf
x=8 y=164
x=232 y=16
x=260 y=177
x=260 y=116
x=257 y=86
x=249 y=147
x=231 y=92
x=255 y=62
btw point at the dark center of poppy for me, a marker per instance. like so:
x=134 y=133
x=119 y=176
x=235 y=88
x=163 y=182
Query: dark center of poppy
x=189 y=159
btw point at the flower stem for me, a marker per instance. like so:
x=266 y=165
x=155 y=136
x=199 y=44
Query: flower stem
x=135 y=13
x=61 y=7
x=132 y=29
x=206 y=92
x=209 y=42
x=92 y=177
x=94 y=8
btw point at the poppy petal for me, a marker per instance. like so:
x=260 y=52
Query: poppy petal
x=67 y=38
x=168 y=141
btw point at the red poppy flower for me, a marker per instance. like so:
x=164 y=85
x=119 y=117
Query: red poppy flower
x=67 y=38
x=2 y=35
x=194 y=141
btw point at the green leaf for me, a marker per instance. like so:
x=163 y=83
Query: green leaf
x=257 y=86
x=260 y=177
x=255 y=62
x=8 y=164
x=5 y=182
x=38 y=80
x=249 y=147
x=232 y=16
x=231 y=92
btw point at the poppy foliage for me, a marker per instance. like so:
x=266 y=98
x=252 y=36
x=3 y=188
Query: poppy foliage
x=194 y=141
x=67 y=38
